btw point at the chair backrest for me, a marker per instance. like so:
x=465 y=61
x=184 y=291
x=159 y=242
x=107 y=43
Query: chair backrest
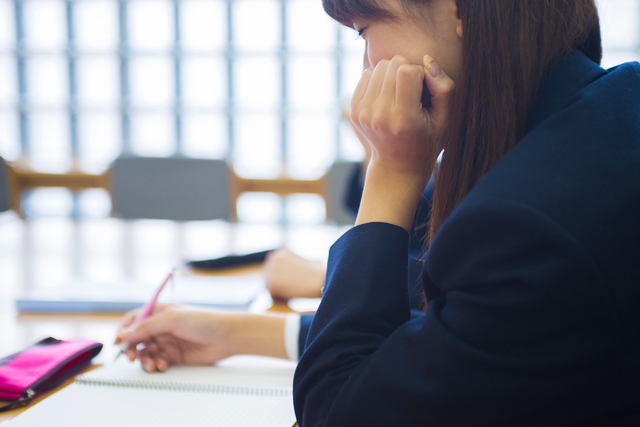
x=4 y=186
x=176 y=188
x=338 y=182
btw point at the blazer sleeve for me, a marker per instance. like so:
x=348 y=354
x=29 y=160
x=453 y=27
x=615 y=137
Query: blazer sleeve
x=305 y=324
x=518 y=302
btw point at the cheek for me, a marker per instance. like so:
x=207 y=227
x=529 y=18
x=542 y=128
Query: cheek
x=376 y=53
x=379 y=48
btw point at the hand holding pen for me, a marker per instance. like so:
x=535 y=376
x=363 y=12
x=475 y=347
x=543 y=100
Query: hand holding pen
x=147 y=309
x=186 y=335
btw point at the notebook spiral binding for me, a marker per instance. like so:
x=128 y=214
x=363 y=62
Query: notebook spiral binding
x=196 y=388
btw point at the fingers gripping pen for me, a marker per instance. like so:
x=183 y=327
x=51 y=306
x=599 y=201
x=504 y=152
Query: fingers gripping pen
x=146 y=311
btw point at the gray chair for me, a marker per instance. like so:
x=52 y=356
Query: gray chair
x=175 y=188
x=337 y=182
x=4 y=186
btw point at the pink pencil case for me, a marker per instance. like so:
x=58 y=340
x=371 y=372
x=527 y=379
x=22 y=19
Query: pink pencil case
x=42 y=366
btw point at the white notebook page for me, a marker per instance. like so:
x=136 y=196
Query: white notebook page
x=103 y=405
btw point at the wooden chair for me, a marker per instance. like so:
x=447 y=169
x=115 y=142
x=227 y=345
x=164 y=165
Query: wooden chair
x=337 y=187
x=4 y=186
x=124 y=178
x=175 y=188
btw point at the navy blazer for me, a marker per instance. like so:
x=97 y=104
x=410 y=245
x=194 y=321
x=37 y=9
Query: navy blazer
x=415 y=262
x=533 y=285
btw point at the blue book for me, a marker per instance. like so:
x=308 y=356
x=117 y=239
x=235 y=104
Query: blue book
x=85 y=296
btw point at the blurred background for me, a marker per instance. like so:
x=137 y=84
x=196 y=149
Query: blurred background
x=258 y=83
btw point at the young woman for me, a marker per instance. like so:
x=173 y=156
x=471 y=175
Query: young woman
x=532 y=276
x=533 y=271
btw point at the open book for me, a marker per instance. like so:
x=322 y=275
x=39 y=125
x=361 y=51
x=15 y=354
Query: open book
x=241 y=391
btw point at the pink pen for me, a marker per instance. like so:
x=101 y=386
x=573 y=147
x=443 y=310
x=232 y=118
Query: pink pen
x=146 y=311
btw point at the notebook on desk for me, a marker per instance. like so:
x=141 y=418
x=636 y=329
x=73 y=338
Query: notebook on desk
x=241 y=391
x=84 y=296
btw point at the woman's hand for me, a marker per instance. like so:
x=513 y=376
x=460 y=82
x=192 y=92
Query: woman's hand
x=388 y=111
x=288 y=275
x=182 y=335
x=405 y=137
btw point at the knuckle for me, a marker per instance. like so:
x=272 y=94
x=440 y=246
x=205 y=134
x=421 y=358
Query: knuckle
x=396 y=128
x=450 y=85
x=400 y=128
x=383 y=63
x=364 y=117
x=399 y=60
x=353 y=116
x=409 y=71
x=356 y=115
x=446 y=86
x=379 y=122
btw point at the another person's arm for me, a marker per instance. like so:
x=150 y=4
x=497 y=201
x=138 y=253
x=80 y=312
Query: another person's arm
x=183 y=335
x=288 y=275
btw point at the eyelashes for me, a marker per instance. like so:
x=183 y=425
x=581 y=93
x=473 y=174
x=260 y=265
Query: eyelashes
x=359 y=32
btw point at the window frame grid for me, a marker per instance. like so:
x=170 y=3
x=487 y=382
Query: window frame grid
x=178 y=53
x=124 y=56
x=23 y=127
x=229 y=54
x=72 y=74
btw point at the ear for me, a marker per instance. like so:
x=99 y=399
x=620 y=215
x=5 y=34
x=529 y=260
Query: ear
x=452 y=15
x=458 y=21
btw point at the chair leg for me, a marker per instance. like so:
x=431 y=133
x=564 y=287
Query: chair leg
x=15 y=188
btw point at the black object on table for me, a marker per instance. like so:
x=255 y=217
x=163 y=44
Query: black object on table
x=229 y=261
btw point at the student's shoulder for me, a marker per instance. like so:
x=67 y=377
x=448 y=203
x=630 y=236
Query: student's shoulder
x=581 y=166
x=582 y=178
x=608 y=106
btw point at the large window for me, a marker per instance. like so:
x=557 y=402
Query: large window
x=259 y=82
x=620 y=23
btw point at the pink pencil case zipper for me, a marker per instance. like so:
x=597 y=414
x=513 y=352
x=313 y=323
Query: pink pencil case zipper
x=44 y=365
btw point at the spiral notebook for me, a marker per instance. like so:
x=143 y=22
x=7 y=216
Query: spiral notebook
x=242 y=391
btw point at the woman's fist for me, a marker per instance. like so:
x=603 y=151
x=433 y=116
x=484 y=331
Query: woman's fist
x=387 y=109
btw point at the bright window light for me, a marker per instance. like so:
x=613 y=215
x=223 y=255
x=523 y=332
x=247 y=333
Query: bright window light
x=45 y=24
x=257 y=152
x=7 y=25
x=204 y=82
x=310 y=148
x=257 y=25
x=98 y=80
x=204 y=25
x=99 y=137
x=152 y=81
x=312 y=82
x=8 y=81
x=309 y=28
x=205 y=135
x=151 y=25
x=257 y=82
x=48 y=80
x=153 y=134
x=49 y=132
x=96 y=25
x=260 y=83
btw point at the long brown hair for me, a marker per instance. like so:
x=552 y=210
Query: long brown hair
x=507 y=46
